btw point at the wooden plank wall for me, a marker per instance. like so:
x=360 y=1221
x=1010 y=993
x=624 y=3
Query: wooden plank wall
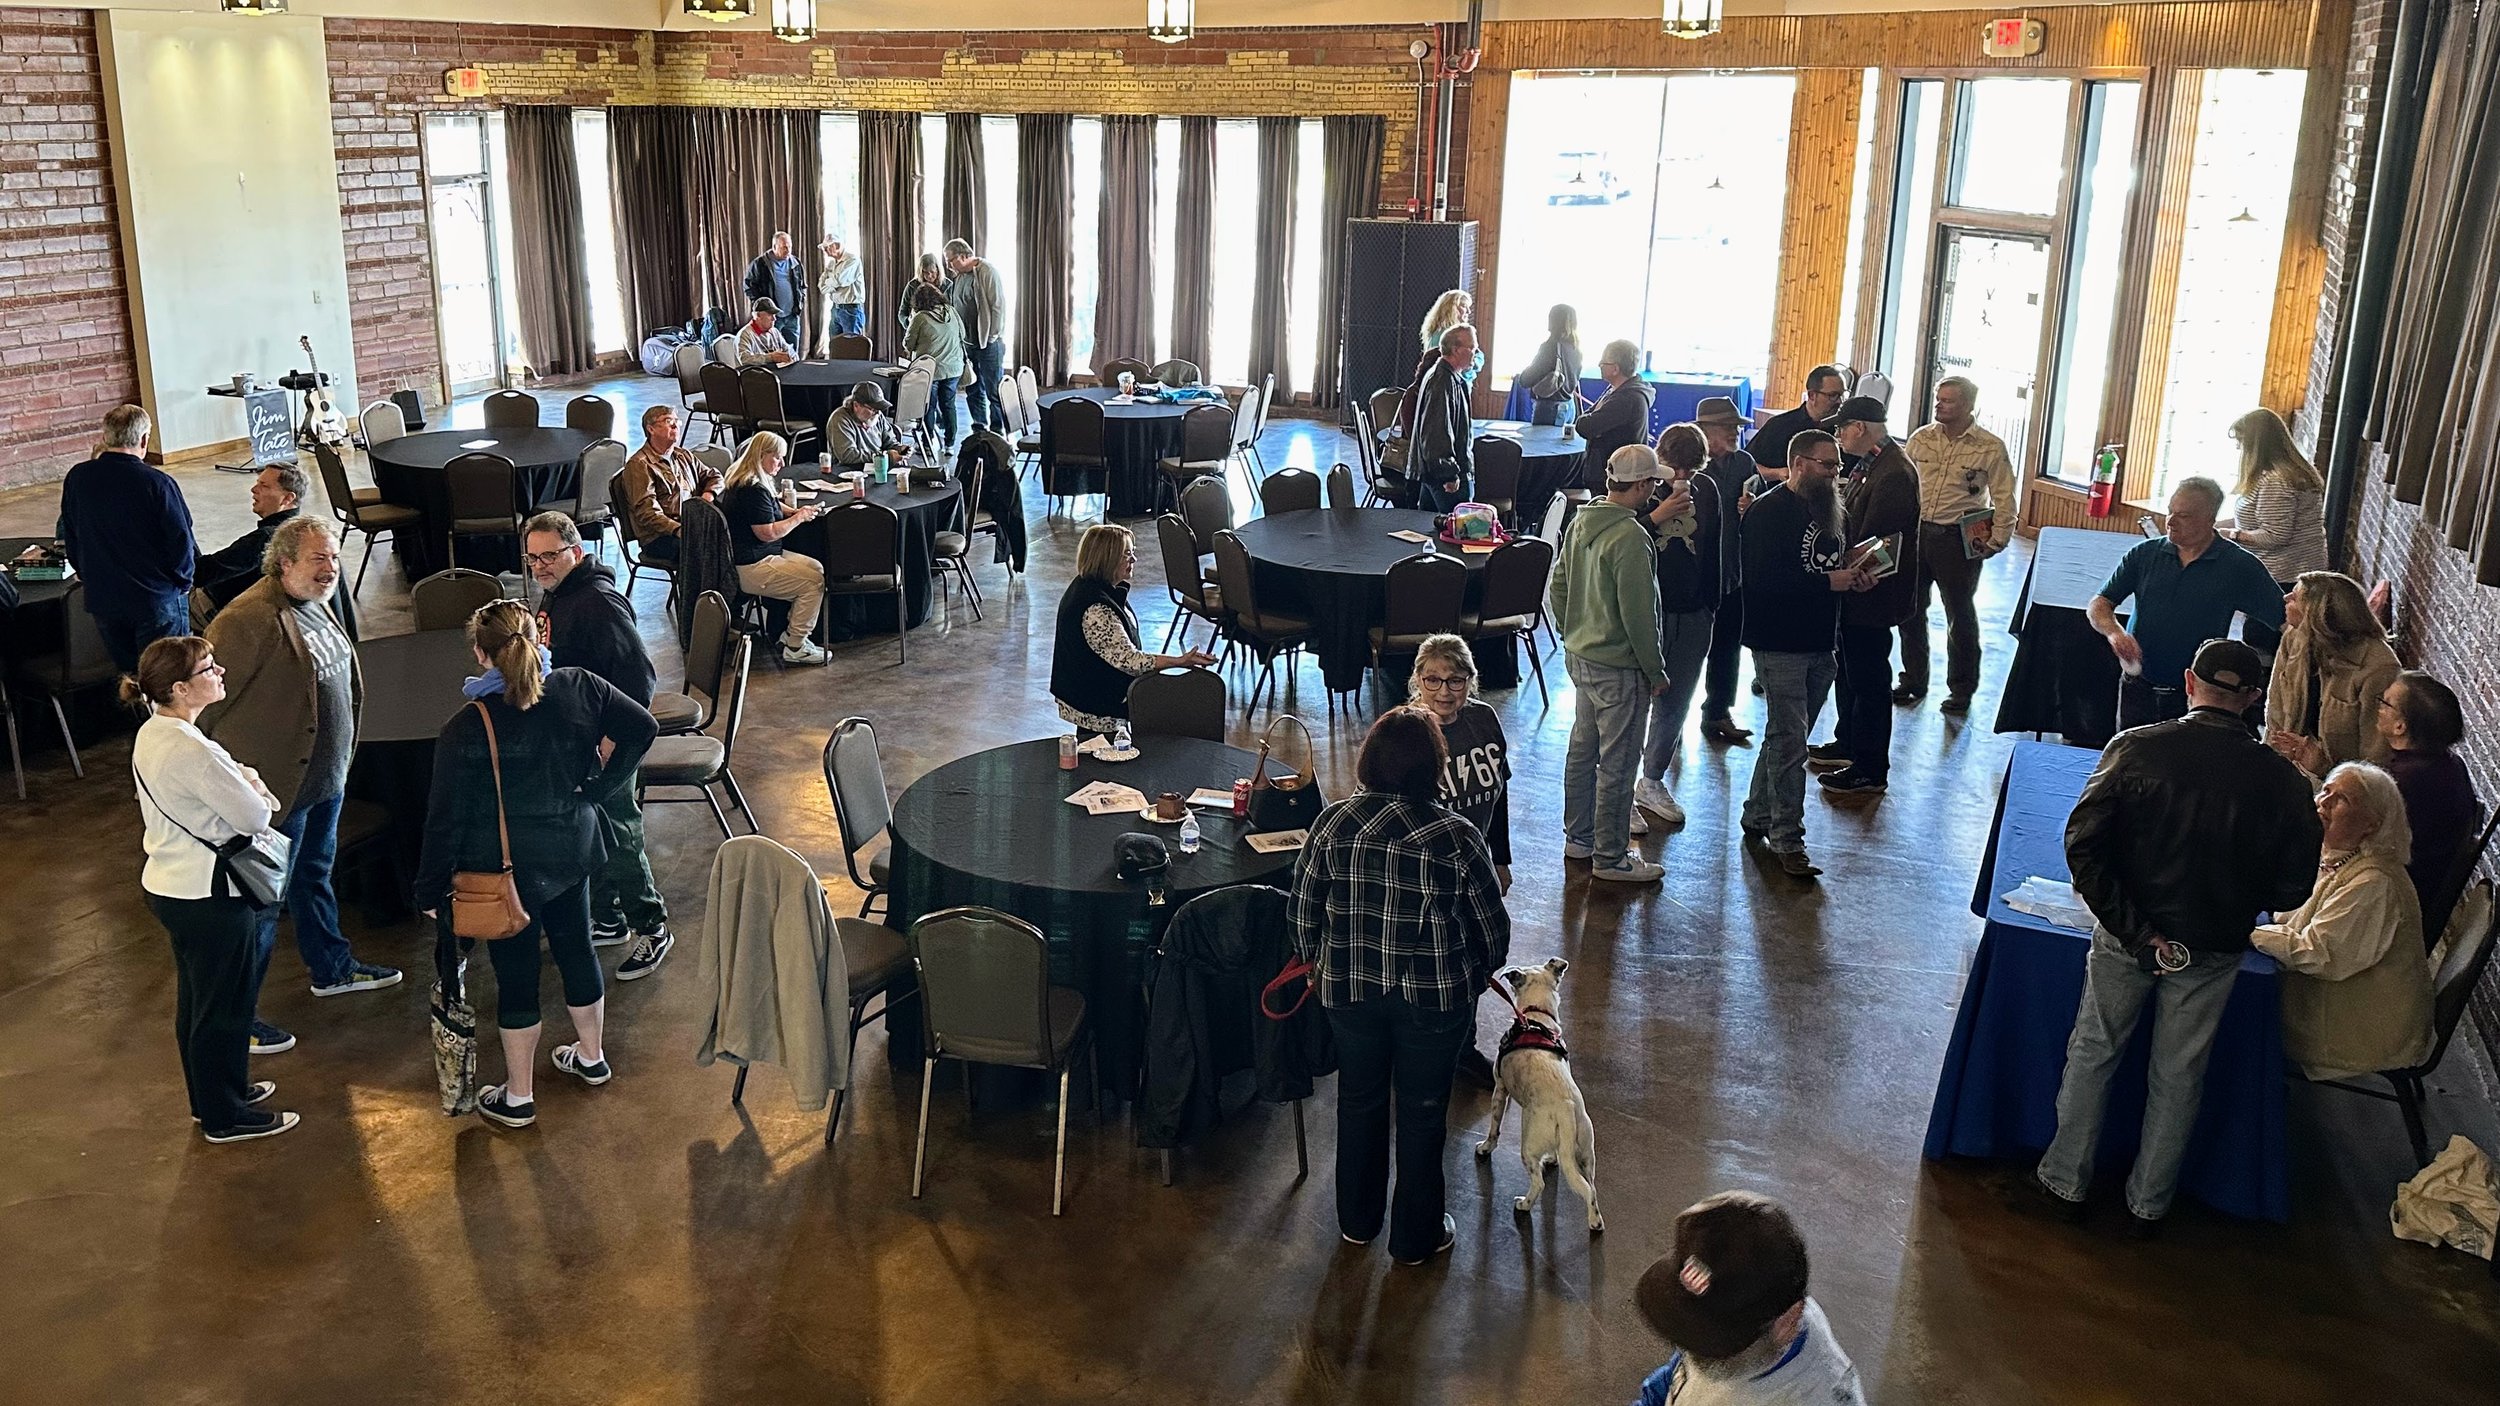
x=2166 y=183
x=2293 y=336
x=1488 y=141
x=1814 y=236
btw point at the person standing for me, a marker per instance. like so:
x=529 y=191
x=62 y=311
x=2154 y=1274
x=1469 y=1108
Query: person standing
x=846 y=294
x=277 y=495
x=293 y=695
x=2282 y=509
x=588 y=624
x=1963 y=470
x=2187 y=584
x=1687 y=524
x=2187 y=829
x=1396 y=904
x=1621 y=415
x=935 y=334
x=981 y=314
x=1442 y=457
x=1605 y=597
x=1826 y=388
x=128 y=532
x=776 y=275
x=1476 y=782
x=194 y=797
x=1553 y=375
x=1883 y=505
x=760 y=342
x=659 y=478
x=1733 y=470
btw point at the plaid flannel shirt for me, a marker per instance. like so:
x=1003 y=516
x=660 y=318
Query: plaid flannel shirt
x=1395 y=897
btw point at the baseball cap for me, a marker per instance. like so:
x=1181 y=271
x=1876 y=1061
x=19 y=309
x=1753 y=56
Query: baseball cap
x=2229 y=664
x=1634 y=463
x=1738 y=1264
x=766 y=305
x=1716 y=410
x=869 y=393
x=1855 y=408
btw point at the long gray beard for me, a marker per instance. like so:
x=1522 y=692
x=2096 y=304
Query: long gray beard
x=1822 y=500
x=1751 y=1362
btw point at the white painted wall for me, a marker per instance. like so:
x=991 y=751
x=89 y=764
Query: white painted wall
x=229 y=200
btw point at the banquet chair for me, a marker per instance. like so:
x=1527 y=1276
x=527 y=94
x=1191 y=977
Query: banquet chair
x=1267 y=402
x=593 y=415
x=485 y=494
x=1246 y=433
x=1029 y=386
x=1498 y=465
x=630 y=547
x=1514 y=599
x=357 y=512
x=911 y=404
x=724 y=350
x=759 y=396
x=594 y=478
x=1206 y=442
x=1028 y=440
x=713 y=456
x=1011 y=406
x=1341 y=488
x=1176 y=372
x=1178 y=702
x=1207 y=506
x=381 y=422
x=850 y=346
x=511 y=410
x=690 y=397
x=446 y=599
x=1266 y=633
x=855 y=778
x=1199 y=956
x=864 y=544
x=1291 y=490
x=727 y=398
x=2452 y=987
x=1079 y=440
x=1185 y=577
x=1384 y=409
x=1109 y=372
x=81 y=663
x=707 y=656
x=986 y=998
x=950 y=549
x=1426 y=594
x=698 y=761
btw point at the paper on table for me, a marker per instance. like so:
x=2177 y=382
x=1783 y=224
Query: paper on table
x=1405 y=536
x=1122 y=400
x=820 y=486
x=479 y=443
x=1211 y=798
x=1477 y=548
x=1104 y=747
x=1278 y=841
x=2053 y=900
x=1108 y=798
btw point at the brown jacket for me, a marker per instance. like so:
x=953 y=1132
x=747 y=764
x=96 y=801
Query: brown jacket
x=272 y=702
x=655 y=491
x=2350 y=683
x=1883 y=503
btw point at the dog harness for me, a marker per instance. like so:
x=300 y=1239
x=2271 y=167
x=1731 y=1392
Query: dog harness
x=1526 y=1034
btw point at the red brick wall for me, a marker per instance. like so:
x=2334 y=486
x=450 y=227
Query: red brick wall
x=60 y=248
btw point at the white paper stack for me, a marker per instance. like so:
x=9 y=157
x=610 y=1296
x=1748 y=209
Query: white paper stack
x=2053 y=900
x=1108 y=798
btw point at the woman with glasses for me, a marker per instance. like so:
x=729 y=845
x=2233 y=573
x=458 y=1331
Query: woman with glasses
x=1095 y=653
x=1476 y=783
x=194 y=797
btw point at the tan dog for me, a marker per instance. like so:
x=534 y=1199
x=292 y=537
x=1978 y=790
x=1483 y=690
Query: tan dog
x=1535 y=1069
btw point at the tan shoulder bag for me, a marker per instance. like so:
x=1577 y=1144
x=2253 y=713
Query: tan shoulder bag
x=487 y=907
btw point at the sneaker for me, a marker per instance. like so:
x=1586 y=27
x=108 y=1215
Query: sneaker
x=265 y=1125
x=1352 y=1239
x=649 y=951
x=1906 y=695
x=610 y=932
x=1654 y=797
x=804 y=652
x=495 y=1108
x=1851 y=782
x=255 y=1092
x=2031 y=1197
x=1725 y=730
x=1449 y=1237
x=569 y=1059
x=1827 y=756
x=1572 y=851
x=1797 y=864
x=361 y=976
x=1638 y=825
x=1633 y=870
x=269 y=1039
x=1957 y=705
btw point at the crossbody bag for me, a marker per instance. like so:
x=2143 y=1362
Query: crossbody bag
x=249 y=867
x=487 y=906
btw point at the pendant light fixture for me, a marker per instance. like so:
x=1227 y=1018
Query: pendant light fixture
x=1171 y=21
x=253 y=7
x=722 y=11
x=1692 y=19
x=794 y=21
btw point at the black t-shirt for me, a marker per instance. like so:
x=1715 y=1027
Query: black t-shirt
x=1476 y=783
x=1769 y=444
x=747 y=507
x=1789 y=605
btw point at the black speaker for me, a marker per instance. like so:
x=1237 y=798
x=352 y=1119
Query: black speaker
x=1394 y=269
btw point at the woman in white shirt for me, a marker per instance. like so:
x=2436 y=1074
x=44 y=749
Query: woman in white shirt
x=194 y=797
x=2282 y=512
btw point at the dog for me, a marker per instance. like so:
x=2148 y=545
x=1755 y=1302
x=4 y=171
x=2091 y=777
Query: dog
x=1534 y=1069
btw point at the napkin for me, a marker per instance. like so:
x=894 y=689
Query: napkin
x=2052 y=900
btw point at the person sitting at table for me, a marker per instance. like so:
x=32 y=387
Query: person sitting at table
x=659 y=478
x=1440 y=456
x=756 y=526
x=2282 y=508
x=2186 y=830
x=277 y=495
x=2186 y=585
x=1553 y=375
x=1621 y=415
x=1094 y=653
x=2422 y=722
x=935 y=334
x=2332 y=669
x=760 y=343
x=2357 y=992
x=863 y=430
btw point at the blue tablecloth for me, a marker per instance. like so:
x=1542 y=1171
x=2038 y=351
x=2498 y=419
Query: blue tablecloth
x=1997 y=1095
x=1677 y=396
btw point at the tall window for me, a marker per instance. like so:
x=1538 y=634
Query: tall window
x=607 y=296
x=1906 y=270
x=837 y=144
x=1302 y=324
x=2092 y=281
x=998 y=166
x=1085 y=247
x=933 y=230
x=1236 y=250
x=1167 y=231
x=1852 y=271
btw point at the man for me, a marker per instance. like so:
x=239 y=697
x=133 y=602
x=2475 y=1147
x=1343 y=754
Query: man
x=277 y=495
x=1605 y=597
x=774 y=276
x=1963 y=472
x=1826 y=387
x=658 y=480
x=2188 y=828
x=2186 y=587
x=980 y=306
x=863 y=430
x=1732 y=1298
x=846 y=294
x=1732 y=470
x=760 y=342
x=1621 y=415
x=293 y=693
x=588 y=624
x=128 y=532
x=1688 y=523
x=1883 y=506
x=1442 y=455
x=1794 y=578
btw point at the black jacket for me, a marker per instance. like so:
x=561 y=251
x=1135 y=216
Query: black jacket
x=1769 y=444
x=1441 y=448
x=1884 y=503
x=758 y=282
x=1790 y=607
x=590 y=625
x=1620 y=417
x=1688 y=568
x=231 y=570
x=1079 y=677
x=1203 y=1021
x=552 y=786
x=2189 y=828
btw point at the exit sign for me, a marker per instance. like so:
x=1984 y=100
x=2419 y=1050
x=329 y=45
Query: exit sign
x=467 y=82
x=2012 y=39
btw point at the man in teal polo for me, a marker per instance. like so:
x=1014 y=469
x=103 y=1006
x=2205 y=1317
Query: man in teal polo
x=2187 y=585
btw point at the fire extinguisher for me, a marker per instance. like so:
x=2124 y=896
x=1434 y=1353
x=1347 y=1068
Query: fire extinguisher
x=2104 y=482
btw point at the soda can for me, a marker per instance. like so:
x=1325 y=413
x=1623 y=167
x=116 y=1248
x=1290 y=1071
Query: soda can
x=1241 y=798
x=1067 y=751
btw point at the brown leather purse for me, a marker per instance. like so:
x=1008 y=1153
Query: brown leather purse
x=487 y=907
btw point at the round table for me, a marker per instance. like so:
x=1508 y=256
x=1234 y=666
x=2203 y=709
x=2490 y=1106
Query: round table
x=995 y=828
x=409 y=471
x=1549 y=462
x=1134 y=437
x=1331 y=566
x=813 y=390
x=412 y=689
x=929 y=509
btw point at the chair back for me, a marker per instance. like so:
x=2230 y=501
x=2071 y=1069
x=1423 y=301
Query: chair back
x=855 y=778
x=2452 y=986
x=85 y=662
x=723 y=392
x=984 y=986
x=1176 y=372
x=688 y=361
x=707 y=649
x=1246 y=418
x=730 y=708
x=342 y=494
x=1076 y=428
x=1550 y=529
x=1232 y=575
x=482 y=486
x=591 y=414
x=863 y=539
x=1267 y=399
x=724 y=351
x=1426 y=595
x=1186 y=702
x=1498 y=463
x=1011 y=405
x=596 y=472
x=759 y=395
x=1515 y=576
x=1341 y=488
x=382 y=422
x=911 y=395
x=1206 y=434
x=712 y=456
x=850 y=346
x=1109 y=372
x=512 y=410
x=1384 y=408
x=1366 y=448
x=1029 y=386
x=1207 y=506
x=1289 y=491
x=1181 y=573
x=446 y=599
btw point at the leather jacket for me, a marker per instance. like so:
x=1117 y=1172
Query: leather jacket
x=2189 y=828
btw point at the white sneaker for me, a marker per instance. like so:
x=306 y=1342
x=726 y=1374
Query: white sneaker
x=1633 y=870
x=1572 y=851
x=1639 y=824
x=804 y=652
x=1654 y=797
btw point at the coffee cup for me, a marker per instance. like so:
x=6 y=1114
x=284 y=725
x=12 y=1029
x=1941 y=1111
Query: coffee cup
x=1170 y=806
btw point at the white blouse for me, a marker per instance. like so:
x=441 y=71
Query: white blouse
x=196 y=784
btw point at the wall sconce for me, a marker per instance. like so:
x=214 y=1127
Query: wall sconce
x=794 y=21
x=723 y=11
x=1692 y=19
x=1171 y=21
x=253 y=7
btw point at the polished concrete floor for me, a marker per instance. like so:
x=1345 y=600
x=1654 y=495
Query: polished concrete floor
x=646 y=1242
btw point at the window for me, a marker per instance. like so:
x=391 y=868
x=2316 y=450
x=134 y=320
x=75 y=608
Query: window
x=1899 y=345
x=1714 y=248
x=1236 y=251
x=998 y=163
x=837 y=144
x=1085 y=242
x=2007 y=147
x=1167 y=232
x=1302 y=322
x=2100 y=231
x=1853 y=270
x=933 y=230
x=607 y=296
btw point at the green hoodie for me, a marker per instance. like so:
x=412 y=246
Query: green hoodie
x=1605 y=591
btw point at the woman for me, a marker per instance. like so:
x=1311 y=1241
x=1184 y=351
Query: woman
x=931 y=273
x=1397 y=905
x=564 y=742
x=1096 y=652
x=2282 y=510
x=934 y=333
x=2329 y=674
x=2421 y=722
x=1553 y=377
x=1447 y=311
x=1686 y=524
x=1476 y=783
x=757 y=525
x=2357 y=995
x=193 y=797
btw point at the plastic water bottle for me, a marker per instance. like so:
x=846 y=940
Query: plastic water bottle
x=1189 y=830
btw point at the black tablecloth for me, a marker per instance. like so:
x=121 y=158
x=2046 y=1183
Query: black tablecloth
x=1549 y=462
x=1331 y=566
x=812 y=390
x=925 y=511
x=412 y=688
x=2063 y=678
x=1134 y=437
x=995 y=829
x=409 y=471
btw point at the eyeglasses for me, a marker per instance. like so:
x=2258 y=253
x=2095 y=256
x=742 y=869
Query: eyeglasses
x=1831 y=463
x=1442 y=683
x=211 y=667
x=546 y=558
x=2387 y=703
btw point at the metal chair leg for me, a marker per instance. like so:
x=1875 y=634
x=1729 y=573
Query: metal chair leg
x=1059 y=1160
x=76 y=768
x=1301 y=1144
x=17 y=757
x=363 y=566
x=1537 y=663
x=859 y=1010
x=717 y=814
x=920 y=1149
x=2409 y=1099
x=1167 y=1166
x=738 y=1086
x=738 y=798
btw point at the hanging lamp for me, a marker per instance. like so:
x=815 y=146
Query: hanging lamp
x=253 y=7
x=1171 y=21
x=1692 y=19
x=721 y=11
x=794 y=21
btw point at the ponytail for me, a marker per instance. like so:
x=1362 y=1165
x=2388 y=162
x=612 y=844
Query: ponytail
x=165 y=663
x=507 y=634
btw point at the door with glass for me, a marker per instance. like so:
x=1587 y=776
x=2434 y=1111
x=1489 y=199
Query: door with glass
x=1991 y=289
x=468 y=293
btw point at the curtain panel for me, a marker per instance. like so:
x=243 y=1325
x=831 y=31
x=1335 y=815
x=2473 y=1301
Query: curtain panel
x=1350 y=150
x=1193 y=259
x=889 y=219
x=1280 y=143
x=551 y=276
x=1124 y=290
x=966 y=197
x=1045 y=211
x=650 y=150
x=755 y=171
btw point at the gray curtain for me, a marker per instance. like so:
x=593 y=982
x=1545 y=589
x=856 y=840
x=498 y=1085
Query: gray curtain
x=967 y=201
x=1350 y=150
x=1280 y=145
x=753 y=171
x=1193 y=260
x=889 y=218
x=550 y=275
x=1124 y=291
x=649 y=152
x=1045 y=178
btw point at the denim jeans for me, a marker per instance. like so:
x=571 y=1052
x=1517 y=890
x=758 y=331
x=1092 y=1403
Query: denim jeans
x=1439 y=499
x=981 y=397
x=788 y=325
x=1604 y=756
x=1793 y=689
x=1686 y=638
x=621 y=888
x=2190 y=1010
x=125 y=640
x=1390 y=1051
x=1727 y=645
x=313 y=828
x=941 y=416
x=849 y=319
